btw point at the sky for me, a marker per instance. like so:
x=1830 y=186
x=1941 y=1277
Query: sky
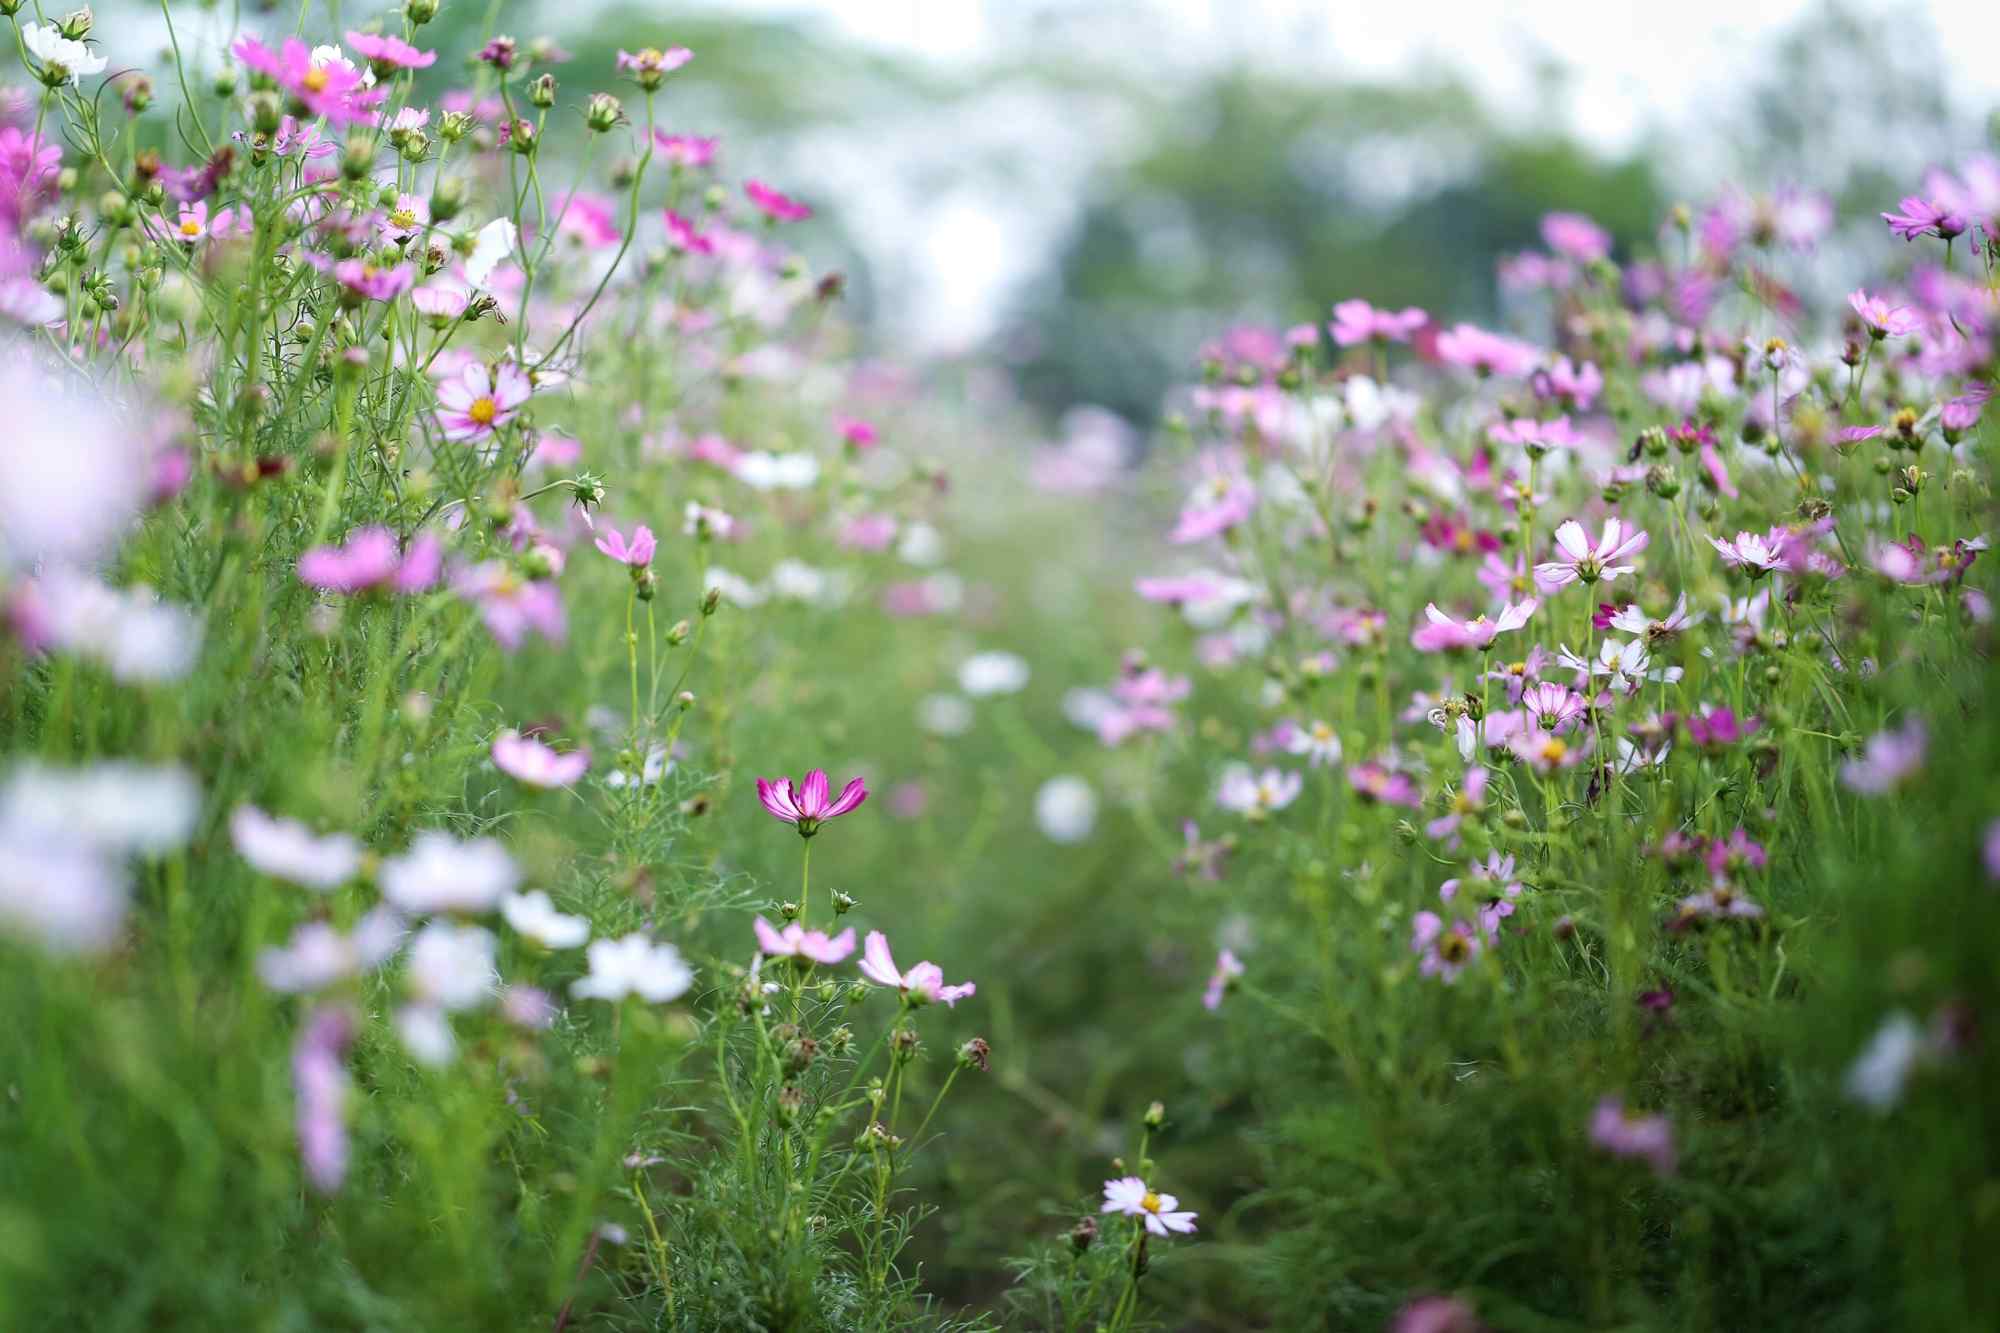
x=1630 y=67
x=1634 y=63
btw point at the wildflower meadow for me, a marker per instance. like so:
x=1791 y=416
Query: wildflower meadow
x=547 y=782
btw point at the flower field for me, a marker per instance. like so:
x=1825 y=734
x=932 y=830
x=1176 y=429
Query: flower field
x=545 y=784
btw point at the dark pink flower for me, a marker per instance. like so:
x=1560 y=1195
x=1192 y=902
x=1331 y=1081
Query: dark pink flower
x=328 y=87
x=371 y=559
x=807 y=807
x=638 y=553
x=774 y=205
x=1920 y=217
x=1473 y=348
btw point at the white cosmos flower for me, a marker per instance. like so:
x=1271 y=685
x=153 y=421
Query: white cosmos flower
x=288 y=850
x=1877 y=1076
x=765 y=471
x=533 y=915
x=62 y=895
x=496 y=241
x=1066 y=809
x=130 y=632
x=318 y=954
x=62 y=58
x=451 y=966
x=944 y=714
x=441 y=874
x=119 y=807
x=73 y=476
x=985 y=674
x=633 y=966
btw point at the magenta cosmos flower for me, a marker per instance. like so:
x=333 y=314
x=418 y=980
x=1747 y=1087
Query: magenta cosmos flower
x=1921 y=217
x=1357 y=322
x=511 y=606
x=1130 y=1197
x=684 y=150
x=328 y=87
x=371 y=560
x=775 y=205
x=1889 y=759
x=386 y=55
x=795 y=941
x=1650 y=1138
x=1580 y=560
x=808 y=806
x=638 y=553
x=1443 y=951
x=1473 y=348
x=527 y=760
x=371 y=282
x=922 y=984
x=482 y=400
x=1576 y=236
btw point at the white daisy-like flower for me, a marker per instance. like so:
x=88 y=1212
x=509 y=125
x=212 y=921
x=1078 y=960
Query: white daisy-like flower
x=1130 y=1196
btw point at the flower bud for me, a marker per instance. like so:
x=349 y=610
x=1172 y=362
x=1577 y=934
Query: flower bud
x=602 y=112
x=790 y=1102
x=76 y=24
x=420 y=12
x=904 y=1043
x=842 y=903
x=684 y=700
x=678 y=634
x=1156 y=1115
x=522 y=137
x=454 y=125
x=136 y=91
x=358 y=159
x=710 y=601
x=1083 y=1235
x=976 y=1054
x=542 y=92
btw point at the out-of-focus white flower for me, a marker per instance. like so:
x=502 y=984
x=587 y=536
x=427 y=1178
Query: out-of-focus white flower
x=633 y=965
x=921 y=544
x=496 y=241
x=1878 y=1074
x=985 y=674
x=426 y=1034
x=797 y=581
x=765 y=471
x=533 y=915
x=441 y=874
x=128 y=631
x=1066 y=809
x=944 y=714
x=64 y=896
x=451 y=966
x=655 y=766
x=118 y=807
x=318 y=954
x=72 y=477
x=288 y=850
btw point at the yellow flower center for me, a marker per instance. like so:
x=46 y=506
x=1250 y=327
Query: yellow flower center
x=189 y=227
x=315 y=80
x=1452 y=947
x=403 y=217
x=1462 y=539
x=1151 y=1203
x=1553 y=749
x=483 y=410
x=1321 y=732
x=1517 y=668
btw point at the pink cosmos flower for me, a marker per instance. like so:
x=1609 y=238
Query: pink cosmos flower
x=320 y=1085
x=1227 y=969
x=1375 y=782
x=651 y=63
x=684 y=150
x=193 y=224
x=1257 y=795
x=1719 y=902
x=682 y=236
x=1129 y=1196
x=1579 y=560
x=775 y=205
x=808 y=807
x=1757 y=554
x=527 y=760
x=1576 y=237
x=511 y=606
x=1553 y=706
x=856 y=432
x=1648 y=1138
x=1889 y=758
x=1357 y=321
x=1576 y=385
x=1443 y=634
x=795 y=941
x=1920 y=217
x=441 y=303
x=1473 y=348
x=328 y=87
x=386 y=54
x=372 y=283
x=922 y=984
x=482 y=400
x=371 y=560
x=1735 y=854
x=1719 y=727
x=1544 y=751
x=1467 y=803
x=1437 y=1314
x=1222 y=499
x=1881 y=319
x=638 y=554
x=1444 y=951
x=1493 y=884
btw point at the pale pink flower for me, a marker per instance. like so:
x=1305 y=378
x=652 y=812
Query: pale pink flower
x=1357 y=321
x=527 y=760
x=1443 y=951
x=922 y=984
x=1444 y=634
x=481 y=400
x=795 y=941
x=1227 y=968
x=288 y=850
x=1888 y=760
x=1473 y=348
x=370 y=560
x=511 y=606
x=1581 y=560
x=1881 y=319
x=1649 y=1138
x=637 y=553
x=387 y=54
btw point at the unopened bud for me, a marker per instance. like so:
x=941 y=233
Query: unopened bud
x=542 y=92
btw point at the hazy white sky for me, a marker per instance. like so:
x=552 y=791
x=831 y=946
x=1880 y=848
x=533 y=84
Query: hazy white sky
x=1634 y=62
